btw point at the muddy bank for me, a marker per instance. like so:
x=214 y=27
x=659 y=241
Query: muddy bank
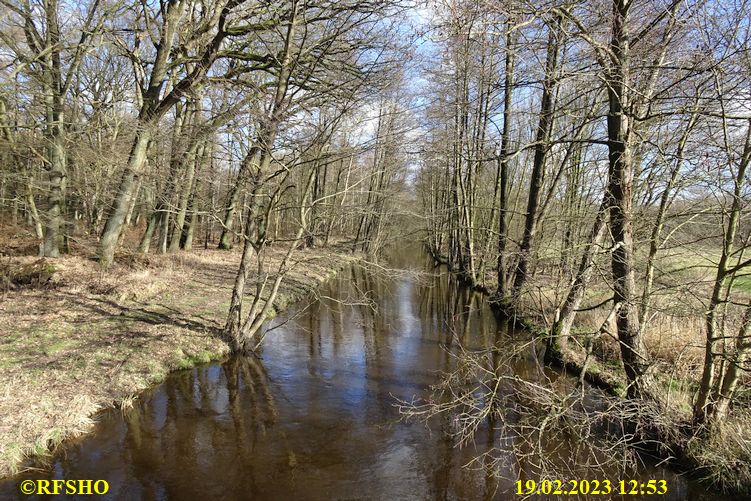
x=90 y=340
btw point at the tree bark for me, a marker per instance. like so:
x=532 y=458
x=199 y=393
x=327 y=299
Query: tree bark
x=559 y=333
x=542 y=144
x=54 y=134
x=113 y=227
x=503 y=167
x=704 y=406
x=183 y=198
x=620 y=190
x=726 y=390
x=254 y=234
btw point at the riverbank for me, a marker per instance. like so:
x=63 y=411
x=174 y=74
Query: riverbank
x=721 y=456
x=89 y=339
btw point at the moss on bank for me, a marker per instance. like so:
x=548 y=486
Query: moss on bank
x=92 y=340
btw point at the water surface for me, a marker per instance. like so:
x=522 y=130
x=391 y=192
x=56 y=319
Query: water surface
x=314 y=416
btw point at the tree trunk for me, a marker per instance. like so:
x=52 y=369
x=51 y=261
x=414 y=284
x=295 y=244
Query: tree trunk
x=206 y=158
x=113 y=227
x=55 y=198
x=620 y=191
x=542 y=141
x=501 y=292
x=153 y=108
x=54 y=134
x=558 y=340
x=227 y=236
x=183 y=197
x=725 y=391
x=38 y=230
x=254 y=234
x=704 y=405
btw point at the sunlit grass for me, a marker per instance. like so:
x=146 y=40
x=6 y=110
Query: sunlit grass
x=96 y=339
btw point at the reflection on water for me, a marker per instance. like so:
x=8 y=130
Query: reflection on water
x=314 y=417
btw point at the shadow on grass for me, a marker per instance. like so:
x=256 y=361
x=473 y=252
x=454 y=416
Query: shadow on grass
x=147 y=314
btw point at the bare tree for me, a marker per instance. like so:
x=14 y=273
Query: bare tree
x=202 y=33
x=52 y=59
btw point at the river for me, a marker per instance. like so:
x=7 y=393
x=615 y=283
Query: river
x=314 y=416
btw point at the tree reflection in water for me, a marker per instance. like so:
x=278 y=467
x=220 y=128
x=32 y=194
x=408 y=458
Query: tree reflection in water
x=315 y=417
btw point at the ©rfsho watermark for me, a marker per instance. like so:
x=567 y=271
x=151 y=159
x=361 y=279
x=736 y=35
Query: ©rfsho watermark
x=72 y=487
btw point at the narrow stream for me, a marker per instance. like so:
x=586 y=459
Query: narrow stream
x=314 y=417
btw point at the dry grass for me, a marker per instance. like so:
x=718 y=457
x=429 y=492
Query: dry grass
x=674 y=337
x=724 y=456
x=92 y=339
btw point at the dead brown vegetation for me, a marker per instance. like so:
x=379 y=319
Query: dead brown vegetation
x=97 y=338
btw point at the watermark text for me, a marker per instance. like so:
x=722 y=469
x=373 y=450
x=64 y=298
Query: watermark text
x=78 y=487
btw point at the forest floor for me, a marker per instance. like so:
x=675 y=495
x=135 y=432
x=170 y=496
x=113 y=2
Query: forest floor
x=90 y=339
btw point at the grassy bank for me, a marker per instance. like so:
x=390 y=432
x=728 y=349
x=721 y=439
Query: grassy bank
x=675 y=340
x=89 y=340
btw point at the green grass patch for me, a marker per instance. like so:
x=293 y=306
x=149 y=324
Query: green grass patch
x=743 y=283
